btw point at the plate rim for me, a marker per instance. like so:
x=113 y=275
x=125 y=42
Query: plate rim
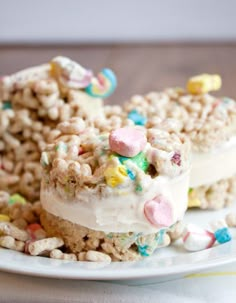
x=108 y=274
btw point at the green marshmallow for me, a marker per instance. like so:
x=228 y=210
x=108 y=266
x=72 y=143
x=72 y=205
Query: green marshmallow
x=140 y=160
x=16 y=198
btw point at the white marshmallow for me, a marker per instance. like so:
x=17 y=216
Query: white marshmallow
x=196 y=238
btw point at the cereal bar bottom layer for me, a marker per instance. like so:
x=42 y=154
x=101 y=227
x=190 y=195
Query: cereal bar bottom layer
x=119 y=246
x=214 y=196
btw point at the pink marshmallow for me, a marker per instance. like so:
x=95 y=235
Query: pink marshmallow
x=127 y=141
x=196 y=238
x=159 y=212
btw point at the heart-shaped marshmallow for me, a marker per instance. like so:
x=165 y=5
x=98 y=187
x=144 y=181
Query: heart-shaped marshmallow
x=127 y=141
x=158 y=211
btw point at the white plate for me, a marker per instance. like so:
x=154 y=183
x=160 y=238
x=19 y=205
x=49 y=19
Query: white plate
x=168 y=263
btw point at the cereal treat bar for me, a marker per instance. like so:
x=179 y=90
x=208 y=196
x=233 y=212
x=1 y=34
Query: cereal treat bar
x=113 y=190
x=32 y=103
x=210 y=124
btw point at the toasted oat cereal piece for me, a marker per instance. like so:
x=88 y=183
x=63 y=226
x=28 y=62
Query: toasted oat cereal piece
x=82 y=256
x=8 y=229
x=231 y=219
x=41 y=246
x=20 y=223
x=58 y=254
x=176 y=231
x=11 y=243
x=4 y=197
x=97 y=256
x=37 y=208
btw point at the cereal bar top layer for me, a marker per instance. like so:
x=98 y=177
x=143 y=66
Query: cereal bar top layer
x=206 y=120
x=82 y=156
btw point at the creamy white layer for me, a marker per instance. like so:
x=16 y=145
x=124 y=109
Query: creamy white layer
x=118 y=213
x=208 y=168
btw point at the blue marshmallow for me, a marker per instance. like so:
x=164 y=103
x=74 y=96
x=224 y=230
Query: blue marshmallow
x=223 y=235
x=137 y=118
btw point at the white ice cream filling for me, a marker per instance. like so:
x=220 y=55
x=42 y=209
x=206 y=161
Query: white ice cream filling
x=118 y=213
x=210 y=167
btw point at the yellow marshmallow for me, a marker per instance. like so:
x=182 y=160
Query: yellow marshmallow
x=203 y=84
x=115 y=175
x=4 y=218
x=193 y=201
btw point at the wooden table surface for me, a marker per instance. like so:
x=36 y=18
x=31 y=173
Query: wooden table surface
x=139 y=68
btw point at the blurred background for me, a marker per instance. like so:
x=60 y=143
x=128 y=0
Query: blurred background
x=150 y=44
